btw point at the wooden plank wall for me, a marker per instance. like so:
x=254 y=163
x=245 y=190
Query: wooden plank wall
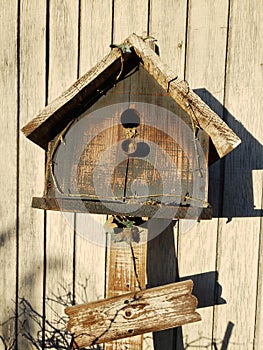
x=46 y=263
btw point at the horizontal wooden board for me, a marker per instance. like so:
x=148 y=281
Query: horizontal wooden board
x=133 y=314
x=149 y=210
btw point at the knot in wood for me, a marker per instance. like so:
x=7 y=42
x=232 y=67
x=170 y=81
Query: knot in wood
x=128 y=313
x=134 y=311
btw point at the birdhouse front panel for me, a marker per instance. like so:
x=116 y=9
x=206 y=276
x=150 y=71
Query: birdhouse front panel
x=133 y=146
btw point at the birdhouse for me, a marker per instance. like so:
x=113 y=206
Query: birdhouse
x=129 y=137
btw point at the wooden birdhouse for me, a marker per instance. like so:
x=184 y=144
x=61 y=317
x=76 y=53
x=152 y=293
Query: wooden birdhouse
x=129 y=137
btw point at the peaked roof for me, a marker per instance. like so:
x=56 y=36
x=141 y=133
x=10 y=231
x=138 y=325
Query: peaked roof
x=121 y=60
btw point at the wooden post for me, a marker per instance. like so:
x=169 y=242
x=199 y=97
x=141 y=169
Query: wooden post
x=126 y=272
x=132 y=314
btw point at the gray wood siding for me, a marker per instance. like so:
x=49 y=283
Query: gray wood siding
x=216 y=46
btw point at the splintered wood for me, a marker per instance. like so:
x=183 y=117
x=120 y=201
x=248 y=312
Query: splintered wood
x=133 y=313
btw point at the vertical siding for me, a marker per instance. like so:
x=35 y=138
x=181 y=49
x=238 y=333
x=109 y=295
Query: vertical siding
x=238 y=243
x=63 y=64
x=129 y=17
x=8 y=161
x=215 y=45
x=204 y=69
x=31 y=158
x=165 y=18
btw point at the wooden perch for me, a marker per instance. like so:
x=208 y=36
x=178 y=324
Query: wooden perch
x=132 y=314
x=224 y=139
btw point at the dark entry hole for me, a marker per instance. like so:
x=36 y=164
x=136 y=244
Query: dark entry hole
x=136 y=150
x=129 y=146
x=130 y=118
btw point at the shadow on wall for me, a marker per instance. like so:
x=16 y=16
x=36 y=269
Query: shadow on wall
x=231 y=178
x=162 y=268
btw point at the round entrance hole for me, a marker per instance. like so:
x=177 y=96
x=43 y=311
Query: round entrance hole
x=129 y=146
x=130 y=118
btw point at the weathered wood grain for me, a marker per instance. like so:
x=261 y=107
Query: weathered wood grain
x=90 y=236
x=148 y=210
x=207 y=24
x=8 y=163
x=63 y=51
x=235 y=327
x=126 y=272
x=133 y=313
x=224 y=139
x=170 y=16
x=31 y=161
x=238 y=244
x=128 y=16
x=161 y=168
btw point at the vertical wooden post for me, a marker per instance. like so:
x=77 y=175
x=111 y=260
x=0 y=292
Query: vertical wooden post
x=126 y=272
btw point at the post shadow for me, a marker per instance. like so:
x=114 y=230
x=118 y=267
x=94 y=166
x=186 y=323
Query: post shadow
x=230 y=178
x=162 y=268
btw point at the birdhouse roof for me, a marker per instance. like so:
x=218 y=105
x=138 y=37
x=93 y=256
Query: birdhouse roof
x=119 y=62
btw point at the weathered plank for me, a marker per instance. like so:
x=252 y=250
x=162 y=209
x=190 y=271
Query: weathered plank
x=63 y=50
x=126 y=271
x=238 y=243
x=94 y=47
x=129 y=17
x=8 y=163
x=90 y=235
x=207 y=25
x=31 y=164
x=224 y=139
x=172 y=17
x=133 y=314
x=148 y=210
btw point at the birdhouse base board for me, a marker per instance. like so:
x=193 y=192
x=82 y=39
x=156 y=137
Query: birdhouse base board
x=159 y=211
